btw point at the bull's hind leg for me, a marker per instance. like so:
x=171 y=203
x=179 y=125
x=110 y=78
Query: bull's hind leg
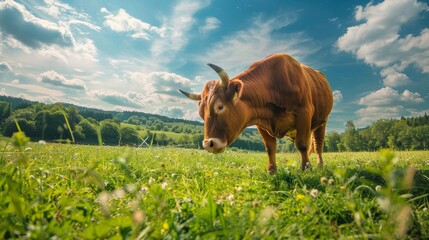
x=270 y=143
x=318 y=138
x=302 y=140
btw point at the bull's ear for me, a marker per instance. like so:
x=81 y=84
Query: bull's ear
x=234 y=90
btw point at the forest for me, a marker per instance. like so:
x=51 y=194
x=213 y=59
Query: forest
x=73 y=124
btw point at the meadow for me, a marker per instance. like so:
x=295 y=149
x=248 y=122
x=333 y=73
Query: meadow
x=67 y=191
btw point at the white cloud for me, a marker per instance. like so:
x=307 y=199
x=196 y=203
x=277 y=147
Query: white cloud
x=18 y=22
x=237 y=51
x=130 y=100
x=408 y=96
x=177 y=27
x=393 y=78
x=174 y=111
x=55 y=8
x=369 y=114
x=377 y=40
x=66 y=14
x=388 y=96
x=382 y=97
x=40 y=98
x=123 y=22
x=4 y=66
x=56 y=79
x=338 y=96
x=386 y=103
x=210 y=24
x=52 y=44
x=33 y=89
x=160 y=83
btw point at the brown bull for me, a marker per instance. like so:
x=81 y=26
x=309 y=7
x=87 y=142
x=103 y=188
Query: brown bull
x=279 y=95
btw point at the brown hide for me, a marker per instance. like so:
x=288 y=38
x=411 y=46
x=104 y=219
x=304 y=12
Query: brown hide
x=279 y=95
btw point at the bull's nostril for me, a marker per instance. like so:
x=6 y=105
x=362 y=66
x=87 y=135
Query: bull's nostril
x=211 y=144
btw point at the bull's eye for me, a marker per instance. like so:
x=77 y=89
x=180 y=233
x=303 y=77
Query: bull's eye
x=220 y=107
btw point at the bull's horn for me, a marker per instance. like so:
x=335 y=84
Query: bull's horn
x=224 y=79
x=192 y=96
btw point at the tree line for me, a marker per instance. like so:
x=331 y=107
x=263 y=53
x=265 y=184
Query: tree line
x=398 y=134
x=69 y=123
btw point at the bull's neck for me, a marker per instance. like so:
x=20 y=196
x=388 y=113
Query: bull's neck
x=259 y=114
x=258 y=100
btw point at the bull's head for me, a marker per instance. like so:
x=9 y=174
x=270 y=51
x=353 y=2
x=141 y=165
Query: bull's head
x=222 y=111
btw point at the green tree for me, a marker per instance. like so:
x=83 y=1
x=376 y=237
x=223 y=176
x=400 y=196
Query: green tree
x=27 y=126
x=133 y=120
x=51 y=125
x=351 y=139
x=380 y=131
x=73 y=116
x=5 y=111
x=399 y=137
x=109 y=130
x=420 y=138
x=86 y=132
x=332 y=140
x=129 y=135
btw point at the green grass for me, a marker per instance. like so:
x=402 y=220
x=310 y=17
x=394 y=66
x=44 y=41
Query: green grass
x=97 y=192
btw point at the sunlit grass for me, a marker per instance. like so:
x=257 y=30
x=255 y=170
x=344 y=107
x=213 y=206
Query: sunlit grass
x=72 y=191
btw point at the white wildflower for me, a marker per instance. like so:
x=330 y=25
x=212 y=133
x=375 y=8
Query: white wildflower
x=151 y=180
x=314 y=193
x=378 y=188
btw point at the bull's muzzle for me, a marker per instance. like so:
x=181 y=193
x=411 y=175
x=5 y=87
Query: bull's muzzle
x=214 y=145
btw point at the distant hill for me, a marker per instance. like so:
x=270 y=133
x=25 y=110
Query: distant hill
x=98 y=114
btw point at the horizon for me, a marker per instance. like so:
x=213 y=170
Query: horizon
x=134 y=56
x=200 y=122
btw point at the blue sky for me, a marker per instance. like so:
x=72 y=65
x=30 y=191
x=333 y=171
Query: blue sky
x=134 y=55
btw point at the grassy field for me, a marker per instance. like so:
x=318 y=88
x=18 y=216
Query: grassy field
x=54 y=191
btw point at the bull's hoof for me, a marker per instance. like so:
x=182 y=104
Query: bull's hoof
x=306 y=166
x=272 y=170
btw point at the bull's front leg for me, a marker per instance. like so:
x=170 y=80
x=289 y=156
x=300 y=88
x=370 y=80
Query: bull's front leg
x=270 y=143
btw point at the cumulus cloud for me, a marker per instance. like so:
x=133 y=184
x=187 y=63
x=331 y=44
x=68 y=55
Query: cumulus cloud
x=164 y=83
x=338 y=96
x=377 y=40
x=130 y=99
x=123 y=22
x=51 y=43
x=4 y=66
x=31 y=31
x=56 y=79
x=386 y=103
x=393 y=78
x=174 y=111
x=408 y=96
x=210 y=24
x=387 y=96
x=370 y=114
x=168 y=83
